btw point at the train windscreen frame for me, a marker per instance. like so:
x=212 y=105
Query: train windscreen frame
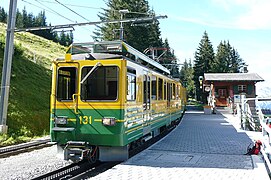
x=101 y=84
x=66 y=83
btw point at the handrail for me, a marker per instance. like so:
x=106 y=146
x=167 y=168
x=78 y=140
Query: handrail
x=266 y=132
x=247 y=116
x=74 y=99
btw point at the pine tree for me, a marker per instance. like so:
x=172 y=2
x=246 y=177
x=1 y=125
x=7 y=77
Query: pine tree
x=69 y=39
x=169 y=60
x=62 y=39
x=140 y=36
x=221 y=59
x=203 y=62
x=19 y=19
x=3 y=15
x=187 y=76
x=40 y=20
x=227 y=59
x=236 y=61
x=25 y=18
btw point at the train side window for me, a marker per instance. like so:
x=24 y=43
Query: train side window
x=146 y=91
x=169 y=92
x=102 y=84
x=165 y=90
x=131 y=85
x=178 y=92
x=66 y=83
x=174 y=92
x=154 y=88
x=160 y=89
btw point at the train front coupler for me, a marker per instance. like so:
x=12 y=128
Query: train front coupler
x=76 y=150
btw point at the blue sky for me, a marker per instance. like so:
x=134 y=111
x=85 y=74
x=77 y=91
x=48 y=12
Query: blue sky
x=245 y=23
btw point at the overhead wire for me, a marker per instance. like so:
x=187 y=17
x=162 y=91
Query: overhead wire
x=90 y=7
x=74 y=13
x=37 y=6
x=54 y=11
x=71 y=10
x=66 y=6
x=81 y=6
x=47 y=10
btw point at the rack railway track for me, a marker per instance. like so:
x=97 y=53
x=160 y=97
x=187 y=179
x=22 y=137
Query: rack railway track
x=84 y=170
x=24 y=147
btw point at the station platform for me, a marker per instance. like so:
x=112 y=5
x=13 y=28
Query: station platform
x=201 y=147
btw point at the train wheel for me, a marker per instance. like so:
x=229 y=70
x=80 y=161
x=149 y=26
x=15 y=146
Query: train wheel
x=93 y=155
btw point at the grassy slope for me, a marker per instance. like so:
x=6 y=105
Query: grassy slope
x=28 y=110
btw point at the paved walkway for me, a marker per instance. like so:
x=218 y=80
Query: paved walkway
x=201 y=147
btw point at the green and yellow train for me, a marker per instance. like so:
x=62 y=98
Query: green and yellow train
x=107 y=97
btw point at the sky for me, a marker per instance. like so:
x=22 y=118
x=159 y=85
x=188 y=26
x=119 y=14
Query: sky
x=246 y=24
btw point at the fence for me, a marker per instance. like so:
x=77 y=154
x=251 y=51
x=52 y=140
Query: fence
x=259 y=123
x=266 y=140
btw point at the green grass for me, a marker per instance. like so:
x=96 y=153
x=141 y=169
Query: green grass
x=30 y=85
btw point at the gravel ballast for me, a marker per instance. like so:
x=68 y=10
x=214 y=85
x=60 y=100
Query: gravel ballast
x=31 y=164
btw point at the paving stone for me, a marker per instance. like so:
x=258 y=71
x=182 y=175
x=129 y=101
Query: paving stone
x=201 y=147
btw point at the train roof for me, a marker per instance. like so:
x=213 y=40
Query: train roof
x=113 y=49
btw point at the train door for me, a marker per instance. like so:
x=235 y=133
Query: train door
x=146 y=101
x=66 y=85
x=64 y=99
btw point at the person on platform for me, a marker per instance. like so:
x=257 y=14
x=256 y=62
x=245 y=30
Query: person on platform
x=255 y=149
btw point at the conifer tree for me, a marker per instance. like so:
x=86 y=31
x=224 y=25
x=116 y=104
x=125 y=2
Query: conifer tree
x=227 y=59
x=3 y=15
x=19 y=19
x=25 y=20
x=169 y=60
x=140 y=36
x=237 y=61
x=221 y=59
x=187 y=76
x=203 y=62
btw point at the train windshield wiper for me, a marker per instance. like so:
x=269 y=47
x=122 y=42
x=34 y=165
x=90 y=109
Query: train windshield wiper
x=89 y=73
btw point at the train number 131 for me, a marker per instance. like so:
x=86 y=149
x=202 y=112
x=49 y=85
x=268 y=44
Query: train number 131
x=85 y=119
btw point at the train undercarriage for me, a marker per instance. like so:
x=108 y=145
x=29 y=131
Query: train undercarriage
x=78 y=150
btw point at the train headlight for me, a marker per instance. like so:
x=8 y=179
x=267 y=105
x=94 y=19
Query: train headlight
x=109 y=121
x=61 y=120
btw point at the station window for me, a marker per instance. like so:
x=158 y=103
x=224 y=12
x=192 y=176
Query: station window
x=131 y=85
x=154 y=88
x=242 y=88
x=101 y=84
x=66 y=83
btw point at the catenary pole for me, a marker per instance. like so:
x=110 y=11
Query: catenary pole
x=6 y=70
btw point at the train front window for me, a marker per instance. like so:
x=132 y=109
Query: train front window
x=101 y=84
x=66 y=83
